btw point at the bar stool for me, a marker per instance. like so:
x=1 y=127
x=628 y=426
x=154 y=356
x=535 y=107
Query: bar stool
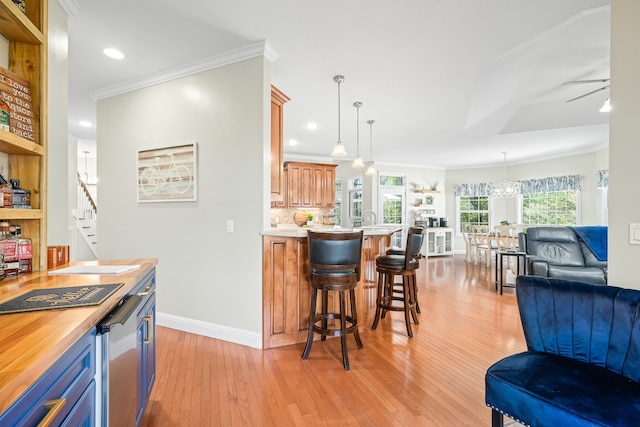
x=417 y=248
x=389 y=266
x=334 y=265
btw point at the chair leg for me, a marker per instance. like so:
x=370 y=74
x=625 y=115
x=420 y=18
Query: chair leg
x=325 y=304
x=312 y=315
x=414 y=288
x=407 y=308
x=497 y=420
x=376 y=318
x=343 y=331
x=411 y=282
x=354 y=316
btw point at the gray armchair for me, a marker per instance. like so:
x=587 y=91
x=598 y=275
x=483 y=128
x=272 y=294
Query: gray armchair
x=559 y=253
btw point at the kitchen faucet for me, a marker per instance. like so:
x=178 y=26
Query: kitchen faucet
x=374 y=218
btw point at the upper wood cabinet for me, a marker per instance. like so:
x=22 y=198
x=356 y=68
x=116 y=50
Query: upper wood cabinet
x=310 y=185
x=27 y=36
x=278 y=180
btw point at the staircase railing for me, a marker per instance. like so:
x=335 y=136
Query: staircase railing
x=86 y=215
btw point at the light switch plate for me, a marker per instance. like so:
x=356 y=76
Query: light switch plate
x=229 y=226
x=634 y=234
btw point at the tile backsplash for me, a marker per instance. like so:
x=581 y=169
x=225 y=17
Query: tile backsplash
x=285 y=216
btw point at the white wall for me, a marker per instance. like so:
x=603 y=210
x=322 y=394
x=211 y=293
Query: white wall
x=206 y=277
x=624 y=134
x=61 y=196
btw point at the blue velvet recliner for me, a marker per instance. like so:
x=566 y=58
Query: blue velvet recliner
x=582 y=365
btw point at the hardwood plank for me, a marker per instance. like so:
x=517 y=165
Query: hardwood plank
x=434 y=379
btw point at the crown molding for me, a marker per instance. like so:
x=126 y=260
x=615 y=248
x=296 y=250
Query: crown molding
x=261 y=48
x=70 y=7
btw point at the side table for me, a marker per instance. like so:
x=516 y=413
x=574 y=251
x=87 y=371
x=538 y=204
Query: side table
x=520 y=257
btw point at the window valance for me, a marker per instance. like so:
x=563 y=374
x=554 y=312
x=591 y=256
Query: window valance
x=603 y=178
x=552 y=183
x=473 y=190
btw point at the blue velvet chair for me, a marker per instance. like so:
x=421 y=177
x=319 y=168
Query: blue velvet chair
x=582 y=365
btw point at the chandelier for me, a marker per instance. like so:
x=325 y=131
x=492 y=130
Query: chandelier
x=505 y=189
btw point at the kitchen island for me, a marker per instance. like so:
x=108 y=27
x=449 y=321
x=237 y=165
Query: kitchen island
x=286 y=290
x=33 y=343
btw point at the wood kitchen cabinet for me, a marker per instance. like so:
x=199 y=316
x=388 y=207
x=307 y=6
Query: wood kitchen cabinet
x=311 y=185
x=27 y=36
x=287 y=291
x=278 y=179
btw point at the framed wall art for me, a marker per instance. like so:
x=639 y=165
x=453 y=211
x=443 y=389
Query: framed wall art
x=168 y=174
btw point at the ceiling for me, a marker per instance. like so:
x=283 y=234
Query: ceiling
x=450 y=84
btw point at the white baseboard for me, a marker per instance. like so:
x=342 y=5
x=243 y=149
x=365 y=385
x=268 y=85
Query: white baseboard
x=211 y=330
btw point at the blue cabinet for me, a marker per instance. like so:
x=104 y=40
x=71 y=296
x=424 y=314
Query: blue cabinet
x=146 y=353
x=65 y=393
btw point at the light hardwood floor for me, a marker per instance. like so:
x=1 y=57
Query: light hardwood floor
x=434 y=379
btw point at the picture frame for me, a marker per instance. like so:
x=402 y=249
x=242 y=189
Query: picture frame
x=168 y=174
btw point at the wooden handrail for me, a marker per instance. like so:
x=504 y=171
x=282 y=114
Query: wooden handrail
x=87 y=193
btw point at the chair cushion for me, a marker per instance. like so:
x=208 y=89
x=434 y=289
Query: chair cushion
x=393 y=260
x=551 y=390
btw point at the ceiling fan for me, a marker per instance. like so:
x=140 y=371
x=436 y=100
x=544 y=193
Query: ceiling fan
x=577 y=82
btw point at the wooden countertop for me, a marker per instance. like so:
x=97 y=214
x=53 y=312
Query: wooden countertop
x=31 y=342
x=379 y=230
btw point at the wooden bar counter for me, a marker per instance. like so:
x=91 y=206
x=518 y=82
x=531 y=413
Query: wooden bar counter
x=31 y=342
x=286 y=289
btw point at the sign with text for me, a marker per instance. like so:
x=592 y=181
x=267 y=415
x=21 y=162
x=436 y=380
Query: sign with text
x=16 y=102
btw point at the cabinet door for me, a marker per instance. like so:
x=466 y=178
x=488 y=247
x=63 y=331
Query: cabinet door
x=146 y=348
x=300 y=185
x=278 y=179
x=318 y=187
x=329 y=185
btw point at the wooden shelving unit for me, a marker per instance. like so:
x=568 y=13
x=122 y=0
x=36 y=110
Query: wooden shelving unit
x=27 y=35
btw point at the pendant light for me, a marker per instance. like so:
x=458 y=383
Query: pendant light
x=338 y=149
x=357 y=162
x=85 y=176
x=506 y=189
x=371 y=169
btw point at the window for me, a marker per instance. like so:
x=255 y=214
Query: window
x=355 y=202
x=392 y=203
x=337 y=211
x=552 y=208
x=473 y=210
x=392 y=198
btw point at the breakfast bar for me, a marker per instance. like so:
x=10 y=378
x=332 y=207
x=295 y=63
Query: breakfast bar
x=46 y=354
x=286 y=289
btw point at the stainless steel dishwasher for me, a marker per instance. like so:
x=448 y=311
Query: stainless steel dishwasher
x=120 y=364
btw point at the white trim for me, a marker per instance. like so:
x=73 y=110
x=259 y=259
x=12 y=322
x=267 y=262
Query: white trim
x=246 y=52
x=70 y=7
x=211 y=330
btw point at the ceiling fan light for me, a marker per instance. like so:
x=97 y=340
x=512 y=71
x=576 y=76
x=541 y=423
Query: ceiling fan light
x=606 y=107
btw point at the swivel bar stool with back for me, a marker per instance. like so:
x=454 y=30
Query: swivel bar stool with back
x=416 y=245
x=334 y=266
x=389 y=266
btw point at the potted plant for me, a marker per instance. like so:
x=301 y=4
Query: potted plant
x=309 y=219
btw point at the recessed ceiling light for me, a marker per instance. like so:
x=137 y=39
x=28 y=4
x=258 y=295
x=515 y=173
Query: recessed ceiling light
x=293 y=142
x=113 y=53
x=312 y=126
x=85 y=124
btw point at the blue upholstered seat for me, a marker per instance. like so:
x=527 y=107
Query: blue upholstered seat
x=583 y=361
